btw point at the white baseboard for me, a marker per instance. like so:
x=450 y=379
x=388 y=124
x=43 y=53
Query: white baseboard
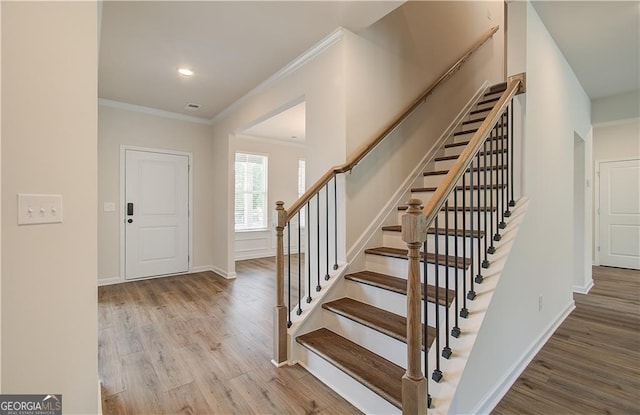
x=201 y=268
x=109 y=281
x=223 y=273
x=583 y=289
x=495 y=395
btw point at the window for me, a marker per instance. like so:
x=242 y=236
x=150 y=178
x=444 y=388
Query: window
x=301 y=189
x=251 y=192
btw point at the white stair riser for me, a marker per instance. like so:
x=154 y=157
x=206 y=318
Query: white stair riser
x=399 y=267
x=394 y=240
x=353 y=391
x=387 y=300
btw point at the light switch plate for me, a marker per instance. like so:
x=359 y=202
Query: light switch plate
x=38 y=209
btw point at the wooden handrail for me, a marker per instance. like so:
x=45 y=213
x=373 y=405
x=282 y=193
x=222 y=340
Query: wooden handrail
x=456 y=171
x=366 y=148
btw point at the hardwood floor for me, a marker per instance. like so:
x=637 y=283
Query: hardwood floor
x=591 y=365
x=200 y=344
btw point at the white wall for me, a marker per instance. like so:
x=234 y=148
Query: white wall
x=613 y=141
x=390 y=64
x=541 y=262
x=282 y=184
x=118 y=127
x=321 y=82
x=49 y=298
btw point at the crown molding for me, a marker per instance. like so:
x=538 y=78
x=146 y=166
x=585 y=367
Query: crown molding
x=333 y=38
x=152 y=111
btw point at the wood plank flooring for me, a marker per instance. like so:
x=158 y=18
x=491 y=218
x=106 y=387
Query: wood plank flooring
x=591 y=365
x=200 y=344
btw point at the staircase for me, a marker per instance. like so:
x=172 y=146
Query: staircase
x=364 y=333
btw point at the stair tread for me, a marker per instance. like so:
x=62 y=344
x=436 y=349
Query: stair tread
x=398 y=285
x=431 y=257
x=459 y=209
x=441 y=231
x=500 y=87
x=472 y=130
x=375 y=372
x=475 y=120
x=467 y=187
x=464 y=143
x=442 y=172
x=480 y=111
x=489 y=100
x=386 y=322
x=455 y=156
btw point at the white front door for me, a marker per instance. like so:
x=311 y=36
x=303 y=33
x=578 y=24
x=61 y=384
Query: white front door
x=620 y=214
x=156 y=208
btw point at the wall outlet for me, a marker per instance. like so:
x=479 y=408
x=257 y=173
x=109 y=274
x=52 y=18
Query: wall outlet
x=539 y=303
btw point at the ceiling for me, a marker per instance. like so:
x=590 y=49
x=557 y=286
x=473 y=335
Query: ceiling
x=232 y=46
x=600 y=40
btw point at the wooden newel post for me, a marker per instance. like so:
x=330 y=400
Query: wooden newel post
x=280 y=311
x=414 y=384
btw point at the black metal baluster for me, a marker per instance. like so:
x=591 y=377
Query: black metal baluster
x=472 y=292
x=307 y=252
x=326 y=186
x=493 y=170
x=335 y=221
x=505 y=170
x=437 y=373
x=464 y=313
x=289 y=272
x=512 y=202
x=455 y=331
x=299 y=311
x=485 y=262
x=446 y=351
x=318 y=287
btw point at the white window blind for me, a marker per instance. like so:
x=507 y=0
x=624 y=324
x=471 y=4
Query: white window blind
x=250 y=192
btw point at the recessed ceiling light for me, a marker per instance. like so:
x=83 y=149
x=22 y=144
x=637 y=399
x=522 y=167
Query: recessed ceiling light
x=185 y=71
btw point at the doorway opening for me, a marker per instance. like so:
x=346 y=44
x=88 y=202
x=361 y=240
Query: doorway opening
x=268 y=158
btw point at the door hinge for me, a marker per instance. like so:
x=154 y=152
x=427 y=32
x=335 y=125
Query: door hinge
x=598 y=173
x=598 y=211
x=598 y=249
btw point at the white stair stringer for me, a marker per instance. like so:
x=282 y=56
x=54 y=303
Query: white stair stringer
x=443 y=393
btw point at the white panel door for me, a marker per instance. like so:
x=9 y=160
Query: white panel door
x=156 y=214
x=620 y=214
